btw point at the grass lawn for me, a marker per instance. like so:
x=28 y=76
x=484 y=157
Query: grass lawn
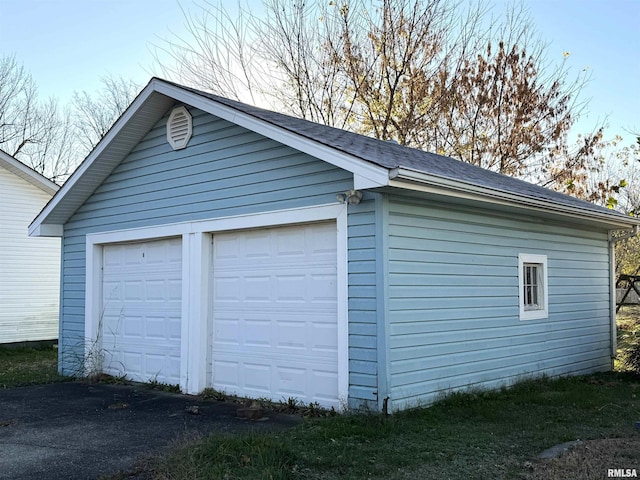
x=476 y=435
x=472 y=436
x=28 y=366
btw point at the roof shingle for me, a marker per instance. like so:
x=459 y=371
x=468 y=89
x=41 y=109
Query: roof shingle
x=391 y=155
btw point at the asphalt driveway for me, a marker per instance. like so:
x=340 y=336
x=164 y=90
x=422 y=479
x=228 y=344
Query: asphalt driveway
x=86 y=431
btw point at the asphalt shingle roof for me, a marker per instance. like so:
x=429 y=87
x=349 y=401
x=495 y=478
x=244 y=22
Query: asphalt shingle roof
x=391 y=155
x=439 y=171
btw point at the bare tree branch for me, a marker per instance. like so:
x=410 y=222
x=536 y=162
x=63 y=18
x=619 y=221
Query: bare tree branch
x=94 y=114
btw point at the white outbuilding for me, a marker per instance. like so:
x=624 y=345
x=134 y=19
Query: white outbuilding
x=29 y=267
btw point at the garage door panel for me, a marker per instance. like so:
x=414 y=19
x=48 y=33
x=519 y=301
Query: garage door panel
x=256 y=245
x=228 y=331
x=313 y=384
x=257 y=378
x=257 y=332
x=291 y=382
x=324 y=385
x=323 y=289
x=111 y=291
x=317 y=384
x=227 y=376
x=226 y=248
x=111 y=327
x=133 y=290
x=323 y=337
x=287 y=375
x=141 y=324
x=164 y=254
x=132 y=328
x=142 y=290
x=157 y=290
x=133 y=255
x=310 y=336
x=312 y=331
x=141 y=328
x=112 y=257
x=292 y=335
x=275 y=313
x=175 y=328
x=287 y=246
x=133 y=359
x=150 y=363
x=255 y=288
x=227 y=289
x=159 y=328
x=290 y=288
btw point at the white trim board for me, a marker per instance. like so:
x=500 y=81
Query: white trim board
x=195 y=304
x=543 y=311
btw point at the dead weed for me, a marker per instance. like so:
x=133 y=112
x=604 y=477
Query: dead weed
x=590 y=460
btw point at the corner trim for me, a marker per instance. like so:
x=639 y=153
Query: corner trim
x=382 y=306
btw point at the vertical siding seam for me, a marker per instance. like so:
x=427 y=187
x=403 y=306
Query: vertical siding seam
x=382 y=291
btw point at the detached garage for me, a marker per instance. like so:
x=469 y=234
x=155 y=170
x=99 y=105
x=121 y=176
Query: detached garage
x=208 y=243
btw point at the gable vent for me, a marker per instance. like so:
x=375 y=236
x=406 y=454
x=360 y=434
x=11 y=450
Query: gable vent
x=179 y=128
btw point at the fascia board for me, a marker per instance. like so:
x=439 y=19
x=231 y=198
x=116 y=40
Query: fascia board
x=46 y=230
x=367 y=174
x=419 y=181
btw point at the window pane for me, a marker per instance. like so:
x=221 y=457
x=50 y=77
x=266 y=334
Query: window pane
x=531 y=286
x=532 y=277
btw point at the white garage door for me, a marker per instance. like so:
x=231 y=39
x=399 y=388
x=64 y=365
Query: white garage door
x=275 y=313
x=140 y=325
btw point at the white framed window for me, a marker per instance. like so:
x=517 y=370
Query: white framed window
x=533 y=286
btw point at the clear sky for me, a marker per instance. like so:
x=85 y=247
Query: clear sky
x=68 y=45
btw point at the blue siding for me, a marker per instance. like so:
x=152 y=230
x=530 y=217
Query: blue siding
x=453 y=301
x=363 y=267
x=226 y=170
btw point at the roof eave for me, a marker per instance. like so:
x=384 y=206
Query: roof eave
x=113 y=145
x=423 y=182
x=365 y=174
x=28 y=174
x=144 y=112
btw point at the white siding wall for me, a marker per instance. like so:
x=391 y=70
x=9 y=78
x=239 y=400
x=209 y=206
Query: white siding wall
x=29 y=267
x=453 y=301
